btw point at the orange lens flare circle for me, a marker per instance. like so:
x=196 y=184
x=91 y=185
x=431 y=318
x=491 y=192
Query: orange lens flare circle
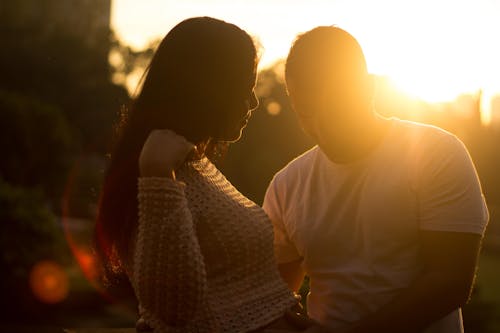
x=81 y=251
x=49 y=282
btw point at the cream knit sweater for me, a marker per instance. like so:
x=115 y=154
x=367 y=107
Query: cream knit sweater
x=203 y=258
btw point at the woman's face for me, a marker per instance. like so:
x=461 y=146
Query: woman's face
x=240 y=108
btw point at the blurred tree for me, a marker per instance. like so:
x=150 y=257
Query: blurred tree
x=58 y=103
x=61 y=70
x=126 y=60
x=56 y=92
x=481 y=316
x=35 y=141
x=29 y=233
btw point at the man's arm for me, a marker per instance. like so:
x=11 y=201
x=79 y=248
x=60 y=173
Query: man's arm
x=292 y=273
x=450 y=200
x=287 y=256
x=450 y=260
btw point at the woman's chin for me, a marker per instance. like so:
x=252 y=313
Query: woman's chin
x=235 y=136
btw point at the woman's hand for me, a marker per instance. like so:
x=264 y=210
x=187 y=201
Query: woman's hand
x=142 y=326
x=162 y=153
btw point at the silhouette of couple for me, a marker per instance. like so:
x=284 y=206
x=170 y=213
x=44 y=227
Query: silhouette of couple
x=384 y=215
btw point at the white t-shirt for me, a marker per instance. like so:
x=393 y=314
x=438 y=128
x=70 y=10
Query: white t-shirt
x=356 y=226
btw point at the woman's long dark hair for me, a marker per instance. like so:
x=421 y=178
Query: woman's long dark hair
x=199 y=69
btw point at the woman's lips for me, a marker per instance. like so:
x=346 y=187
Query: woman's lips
x=247 y=117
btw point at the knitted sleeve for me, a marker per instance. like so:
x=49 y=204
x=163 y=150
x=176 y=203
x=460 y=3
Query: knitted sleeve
x=168 y=270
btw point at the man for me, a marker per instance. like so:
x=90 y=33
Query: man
x=385 y=216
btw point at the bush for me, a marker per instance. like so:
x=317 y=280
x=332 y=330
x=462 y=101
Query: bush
x=28 y=233
x=35 y=141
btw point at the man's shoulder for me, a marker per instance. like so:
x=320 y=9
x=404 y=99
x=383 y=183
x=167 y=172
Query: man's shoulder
x=423 y=134
x=428 y=146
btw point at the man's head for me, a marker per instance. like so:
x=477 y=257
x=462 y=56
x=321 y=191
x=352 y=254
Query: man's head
x=328 y=83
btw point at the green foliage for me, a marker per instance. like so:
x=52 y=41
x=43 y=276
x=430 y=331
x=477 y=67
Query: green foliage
x=83 y=186
x=25 y=212
x=57 y=102
x=480 y=317
x=28 y=233
x=481 y=313
x=126 y=60
x=62 y=70
x=35 y=141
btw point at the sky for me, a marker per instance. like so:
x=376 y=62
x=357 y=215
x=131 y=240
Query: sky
x=432 y=49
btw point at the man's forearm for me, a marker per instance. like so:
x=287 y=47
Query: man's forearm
x=430 y=298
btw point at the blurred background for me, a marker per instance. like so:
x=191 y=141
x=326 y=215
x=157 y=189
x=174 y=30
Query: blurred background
x=68 y=67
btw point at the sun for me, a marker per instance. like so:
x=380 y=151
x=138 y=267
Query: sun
x=440 y=71
x=432 y=50
x=432 y=86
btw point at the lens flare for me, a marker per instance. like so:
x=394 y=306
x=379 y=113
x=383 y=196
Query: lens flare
x=81 y=249
x=79 y=242
x=49 y=282
x=274 y=108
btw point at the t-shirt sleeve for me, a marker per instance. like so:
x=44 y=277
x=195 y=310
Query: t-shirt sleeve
x=449 y=193
x=284 y=249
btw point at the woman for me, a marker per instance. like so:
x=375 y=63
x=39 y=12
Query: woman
x=198 y=254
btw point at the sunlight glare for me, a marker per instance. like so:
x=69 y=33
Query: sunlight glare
x=433 y=50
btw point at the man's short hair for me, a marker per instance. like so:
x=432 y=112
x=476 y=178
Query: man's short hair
x=314 y=51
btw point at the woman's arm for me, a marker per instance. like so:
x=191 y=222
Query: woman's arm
x=168 y=269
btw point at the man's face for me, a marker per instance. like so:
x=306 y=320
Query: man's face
x=327 y=105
